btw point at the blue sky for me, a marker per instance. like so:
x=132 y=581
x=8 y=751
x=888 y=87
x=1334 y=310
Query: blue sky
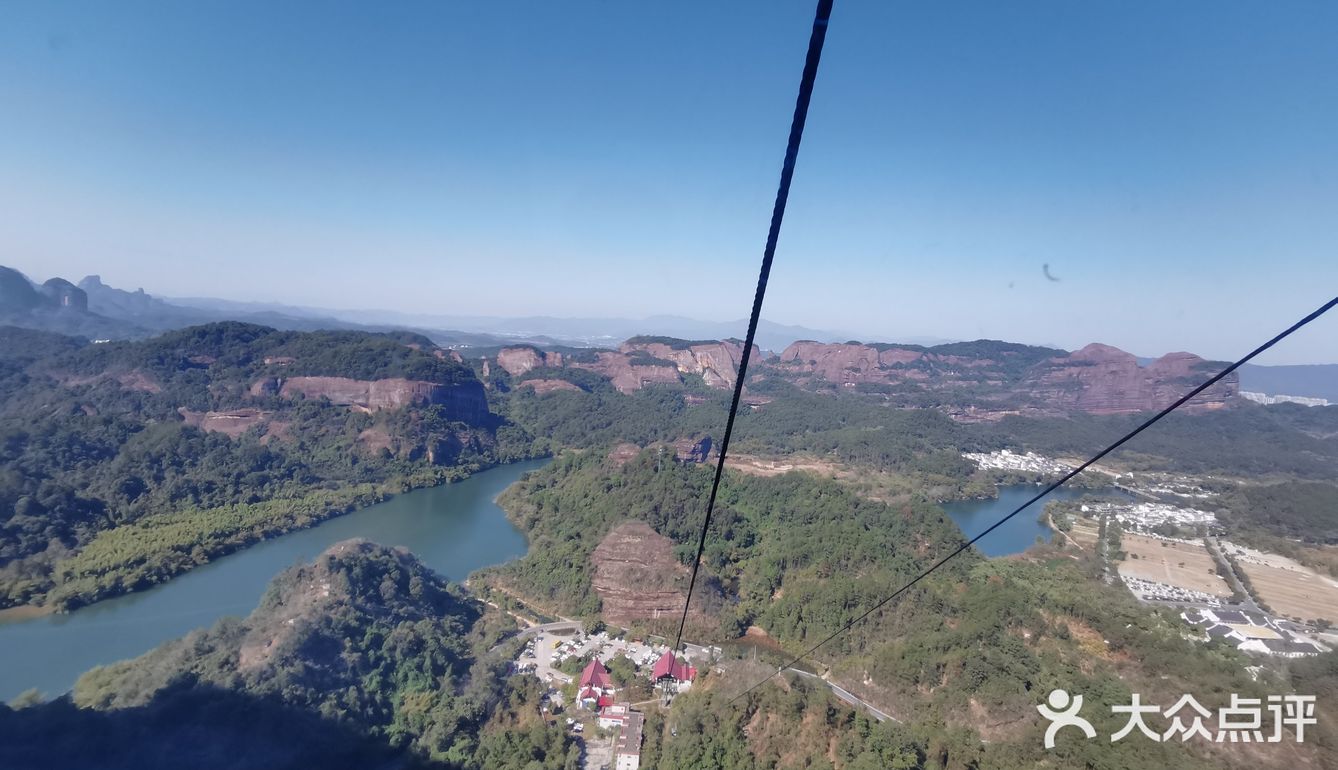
x=1175 y=164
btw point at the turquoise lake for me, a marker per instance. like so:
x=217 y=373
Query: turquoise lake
x=454 y=529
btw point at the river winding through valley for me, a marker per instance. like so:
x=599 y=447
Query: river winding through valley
x=455 y=529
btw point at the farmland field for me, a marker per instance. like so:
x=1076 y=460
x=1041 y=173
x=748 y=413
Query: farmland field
x=1173 y=563
x=1294 y=593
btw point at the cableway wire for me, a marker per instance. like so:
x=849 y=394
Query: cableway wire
x=1147 y=424
x=815 y=41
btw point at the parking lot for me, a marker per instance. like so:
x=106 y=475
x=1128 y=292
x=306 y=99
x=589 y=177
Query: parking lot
x=550 y=647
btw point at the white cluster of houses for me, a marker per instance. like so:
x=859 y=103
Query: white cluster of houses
x=1268 y=400
x=1251 y=632
x=1158 y=483
x=1142 y=517
x=1009 y=461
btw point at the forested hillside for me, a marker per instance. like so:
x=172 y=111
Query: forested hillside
x=792 y=552
x=365 y=658
x=124 y=463
x=891 y=451
x=961 y=659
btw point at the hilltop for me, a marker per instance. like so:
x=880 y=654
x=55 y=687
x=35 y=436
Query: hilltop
x=363 y=658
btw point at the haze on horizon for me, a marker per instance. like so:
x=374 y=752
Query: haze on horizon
x=1176 y=167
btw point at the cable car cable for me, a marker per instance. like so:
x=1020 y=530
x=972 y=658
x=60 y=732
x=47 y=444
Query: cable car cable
x=815 y=41
x=1326 y=307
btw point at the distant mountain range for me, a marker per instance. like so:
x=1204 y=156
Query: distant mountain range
x=579 y=332
x=95 y=310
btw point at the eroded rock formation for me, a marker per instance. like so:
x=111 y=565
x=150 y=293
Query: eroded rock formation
x=693 y=449
x=630 y=373
x=548 y=386
x=232 y=423
x=465 y=402
x=523 y=359
x=637 y=576
x=1004 y=378
x=716 y=362
x=1101 y=379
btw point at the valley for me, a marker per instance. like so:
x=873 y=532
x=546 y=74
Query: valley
x=848 y=475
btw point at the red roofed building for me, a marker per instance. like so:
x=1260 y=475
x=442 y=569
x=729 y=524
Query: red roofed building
x=669 y=669
x=596 y=676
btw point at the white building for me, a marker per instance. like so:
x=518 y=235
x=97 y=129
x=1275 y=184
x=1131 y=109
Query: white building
x=627 y=750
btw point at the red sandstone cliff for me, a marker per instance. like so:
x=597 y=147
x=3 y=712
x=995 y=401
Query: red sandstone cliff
x=548 y=386
x=520 y=360
x=231 y=423
x=716 y=362
x=637 y=577
x=1100 y=379
x=628 y=376
x=464 y=402
x=843 y=363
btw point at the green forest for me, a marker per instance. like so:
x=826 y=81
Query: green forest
x=395 y=668
x=773 y=540
x=1291 y=449
x=104 y=487
x=800 y=556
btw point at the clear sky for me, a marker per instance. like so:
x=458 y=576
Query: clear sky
x=1175 y=164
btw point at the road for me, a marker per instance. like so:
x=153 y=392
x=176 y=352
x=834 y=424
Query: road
x=1050 y=517
x=562 y=625
x=849 y=697
x=1231 y=576
x=1103 y=549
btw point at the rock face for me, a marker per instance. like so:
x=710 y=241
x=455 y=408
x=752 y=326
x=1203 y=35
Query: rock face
x=522 y=359
x=231 y=423
x=1100 y=379
x=851 y=363
x=843 y=363
x=716 y=362
x=465 y=402
x=639 y=362
x=18 y=294
x=630 y=373
x=694 y=449
x=637 y=576
x=1004 y=378
x=65 y=294
x=623 y=452
x=548 y=386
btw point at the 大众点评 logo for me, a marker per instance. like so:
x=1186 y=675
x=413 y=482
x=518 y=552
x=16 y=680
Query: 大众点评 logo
x=1240 y=722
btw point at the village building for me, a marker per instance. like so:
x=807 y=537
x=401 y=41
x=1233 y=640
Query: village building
x=672 y=673
x=1251 y=632
x=627 y=749
x=614 y=716
x=595 y=687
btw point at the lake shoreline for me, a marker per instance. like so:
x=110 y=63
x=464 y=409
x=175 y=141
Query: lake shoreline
x=240 y=542
x=1020 y=532
x=455 y=529
x=23 y=612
